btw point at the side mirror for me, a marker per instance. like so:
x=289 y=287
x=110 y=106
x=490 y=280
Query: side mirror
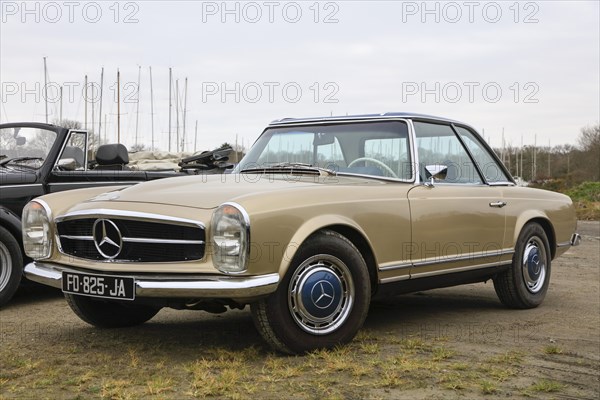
x=21 y=140
x=67 y=164
x=436 y=171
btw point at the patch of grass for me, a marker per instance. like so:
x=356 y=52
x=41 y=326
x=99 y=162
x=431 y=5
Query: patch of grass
x=453 y=381
x=547 y=386
x=488 y=387
x=390 y=378
x=510 y=357
x=552 y=349
x=414 y=344
x=116 y=390
x=369 y=348
x=338 y=359
x=442 y=353
x=159 y=385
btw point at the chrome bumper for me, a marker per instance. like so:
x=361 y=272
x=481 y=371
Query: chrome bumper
x=169 y=285
x=575 y=239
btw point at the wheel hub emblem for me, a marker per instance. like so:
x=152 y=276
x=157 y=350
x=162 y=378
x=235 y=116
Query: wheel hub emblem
x=107 y=238
x=322 y=294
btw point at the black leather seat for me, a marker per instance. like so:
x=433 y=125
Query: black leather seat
x=112 y=157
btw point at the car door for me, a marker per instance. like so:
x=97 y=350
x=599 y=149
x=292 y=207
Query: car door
x=457 y=218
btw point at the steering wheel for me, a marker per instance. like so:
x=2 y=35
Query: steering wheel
x=375 y=161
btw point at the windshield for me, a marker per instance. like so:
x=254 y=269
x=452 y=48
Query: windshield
x=371 y=148
x=27 y=147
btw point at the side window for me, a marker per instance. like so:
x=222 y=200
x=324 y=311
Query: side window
x=438 y=145
x=73 y=155
x=488 y=166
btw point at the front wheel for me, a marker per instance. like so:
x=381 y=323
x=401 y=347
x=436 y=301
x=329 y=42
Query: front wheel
x=322 y=301
x=525 y=284
x=11 y=266
x=110 y=314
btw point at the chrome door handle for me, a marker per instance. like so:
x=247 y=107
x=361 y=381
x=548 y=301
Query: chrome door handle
x=498 y=204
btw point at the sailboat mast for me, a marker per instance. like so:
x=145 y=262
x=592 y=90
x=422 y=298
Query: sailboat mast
x=46 y=87
x=196 y=137
x=137 y=110
x=85 y=102
x=177 y=114
x=100 y=111
x=151 y=107
x=170 y=104
x=118 y=106
x=184 y=115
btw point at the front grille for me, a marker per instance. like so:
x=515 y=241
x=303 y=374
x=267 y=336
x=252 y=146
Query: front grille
x=141 y=241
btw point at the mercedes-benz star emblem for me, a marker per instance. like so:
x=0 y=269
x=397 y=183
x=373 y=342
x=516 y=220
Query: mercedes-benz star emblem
x=322 y=294
x=107 y=238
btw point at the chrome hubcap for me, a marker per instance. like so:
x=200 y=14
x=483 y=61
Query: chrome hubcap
x=5 y=266
x=321 y=294
x=534 y=264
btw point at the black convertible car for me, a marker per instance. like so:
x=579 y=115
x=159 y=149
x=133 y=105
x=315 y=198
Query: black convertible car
x=37 y=159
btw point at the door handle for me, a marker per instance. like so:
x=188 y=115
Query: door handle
x=498 y=204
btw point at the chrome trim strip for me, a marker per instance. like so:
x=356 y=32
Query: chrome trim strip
x=20 y=186
x=73 y=237
x=161 y=241
x=169 y=285
x=564 y=244
x=459 y=269
x=394 y=267
x=394 y=279
x=139 y=240
x=95 y=183
x=469 y=256
x=135 y=215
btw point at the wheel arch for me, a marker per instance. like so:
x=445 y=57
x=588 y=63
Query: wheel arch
x=12 y=223
x=546 y=225
x=342 y=226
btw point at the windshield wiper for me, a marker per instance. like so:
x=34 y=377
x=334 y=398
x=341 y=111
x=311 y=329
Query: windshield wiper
x=286 y=167
x=19 y=159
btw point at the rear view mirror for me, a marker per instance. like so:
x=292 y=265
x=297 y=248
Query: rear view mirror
x=322 y=139
x=21 y=140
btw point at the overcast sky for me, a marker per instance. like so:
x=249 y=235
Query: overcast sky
x=530 y=68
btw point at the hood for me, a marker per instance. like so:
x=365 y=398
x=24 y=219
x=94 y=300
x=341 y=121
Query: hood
x=210 y=191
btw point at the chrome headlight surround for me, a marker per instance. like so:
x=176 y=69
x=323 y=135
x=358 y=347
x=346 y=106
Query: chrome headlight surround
x=230 y=232
x=37 y=235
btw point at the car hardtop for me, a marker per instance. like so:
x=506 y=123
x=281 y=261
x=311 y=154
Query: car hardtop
x=361 y=117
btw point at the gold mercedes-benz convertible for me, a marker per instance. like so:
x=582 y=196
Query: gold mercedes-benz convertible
x=321 y=215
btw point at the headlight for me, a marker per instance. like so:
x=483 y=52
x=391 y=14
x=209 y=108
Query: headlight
x=230 y=238
x=37 y=240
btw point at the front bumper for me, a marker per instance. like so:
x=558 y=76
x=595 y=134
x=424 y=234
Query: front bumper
x=170 y=285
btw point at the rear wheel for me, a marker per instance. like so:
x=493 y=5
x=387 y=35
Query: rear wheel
x=110 y=314
x=525 y=284
x=11 y=266
x=322 y=301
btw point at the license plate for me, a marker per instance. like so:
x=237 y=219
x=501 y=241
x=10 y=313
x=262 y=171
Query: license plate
x=105 y=286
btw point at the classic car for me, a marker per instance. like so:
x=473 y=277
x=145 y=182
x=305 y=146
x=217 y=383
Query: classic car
x=320 y=216
x=37 y=159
